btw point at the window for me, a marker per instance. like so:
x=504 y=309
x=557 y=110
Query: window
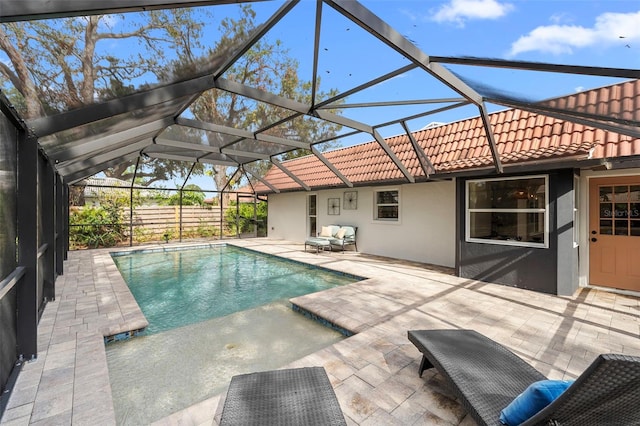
x=508 y=211
x=312 y=215
x=620 y=210
x=387 y=205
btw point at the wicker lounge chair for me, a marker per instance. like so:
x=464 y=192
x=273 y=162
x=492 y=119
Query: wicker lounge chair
x=486 y=377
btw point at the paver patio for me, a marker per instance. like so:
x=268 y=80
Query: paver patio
x=374 y=373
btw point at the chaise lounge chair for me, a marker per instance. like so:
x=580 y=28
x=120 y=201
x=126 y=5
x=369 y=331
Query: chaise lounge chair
x=486 y=377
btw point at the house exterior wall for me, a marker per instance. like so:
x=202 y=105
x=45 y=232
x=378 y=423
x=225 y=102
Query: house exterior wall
x=553 y=269
x=287 y=216
x=425 y=231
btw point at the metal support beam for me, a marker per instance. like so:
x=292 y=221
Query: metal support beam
x=186 y=145
x=240 y=133
x=48 y=232
x=388 y=35
x=258 y=177
x=27 y=210
x=400 y=103
x=393 y=156
x=270 y=98
x=76 y=177
x=217 y=162
x=626 y=127
x=258 y=33
x=56 y=123
x=290 y=174
x=75 y=166
x=538 y=66
x=90 y=145
x=20 y=10
x=333 y=168
x=423 y=159
x=60 y=205
x=343 y=121
x=486 y=122
x=237 y=153
x=261 y=95
x=328 y=103
x=65 y=219
x=133 y=182
x=230 y=179
x=422 y=114
x=316 y=50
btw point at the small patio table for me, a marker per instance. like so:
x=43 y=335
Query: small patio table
x=295 y=397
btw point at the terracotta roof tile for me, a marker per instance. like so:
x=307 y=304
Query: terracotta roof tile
x=520 y=136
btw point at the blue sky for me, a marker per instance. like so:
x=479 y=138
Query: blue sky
x=579 y=32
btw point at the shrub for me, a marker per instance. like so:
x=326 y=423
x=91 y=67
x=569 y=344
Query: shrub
x=246 y=219
x=95 y=227
x=98 y=226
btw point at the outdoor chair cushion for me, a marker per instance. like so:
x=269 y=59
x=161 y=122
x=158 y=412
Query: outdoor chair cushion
x=349 y=232
x=340 y=234
x=537 y=396
x=326 y=231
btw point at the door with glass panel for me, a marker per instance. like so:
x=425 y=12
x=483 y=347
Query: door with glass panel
x=614 y=232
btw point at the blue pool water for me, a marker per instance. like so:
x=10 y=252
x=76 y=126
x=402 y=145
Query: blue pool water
x=214 y=313
x=182 y=287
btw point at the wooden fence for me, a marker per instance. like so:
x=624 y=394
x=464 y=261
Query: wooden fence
x=158 y=223
x=154 y=222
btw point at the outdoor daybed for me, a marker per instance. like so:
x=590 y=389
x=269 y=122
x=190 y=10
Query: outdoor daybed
x=339 y=236
x=486 y=377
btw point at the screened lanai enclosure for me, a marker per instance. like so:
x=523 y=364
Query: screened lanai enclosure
x=125 y=105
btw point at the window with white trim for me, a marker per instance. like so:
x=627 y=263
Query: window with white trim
x=387 y=205
x=509 y=211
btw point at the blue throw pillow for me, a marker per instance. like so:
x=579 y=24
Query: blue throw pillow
x=534 y=398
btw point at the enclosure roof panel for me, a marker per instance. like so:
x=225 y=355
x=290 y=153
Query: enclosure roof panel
x=238 y=82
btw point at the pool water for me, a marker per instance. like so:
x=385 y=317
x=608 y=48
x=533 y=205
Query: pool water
x=213 y=313
x=177 y=288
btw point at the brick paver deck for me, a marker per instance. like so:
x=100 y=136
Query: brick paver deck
x=374 y=373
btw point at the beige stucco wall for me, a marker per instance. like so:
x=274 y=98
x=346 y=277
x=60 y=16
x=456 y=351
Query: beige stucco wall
x=424 y=233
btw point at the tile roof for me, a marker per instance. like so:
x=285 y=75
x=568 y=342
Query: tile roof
x=520 y=136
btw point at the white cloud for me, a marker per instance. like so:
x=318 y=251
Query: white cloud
x=559 y=39
x=459 y=11
x=108 y=22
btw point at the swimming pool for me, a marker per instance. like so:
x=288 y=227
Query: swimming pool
x=188 y=359
x=181 y=287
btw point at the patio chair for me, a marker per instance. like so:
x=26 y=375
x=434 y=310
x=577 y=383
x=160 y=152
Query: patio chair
x=485 y=377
